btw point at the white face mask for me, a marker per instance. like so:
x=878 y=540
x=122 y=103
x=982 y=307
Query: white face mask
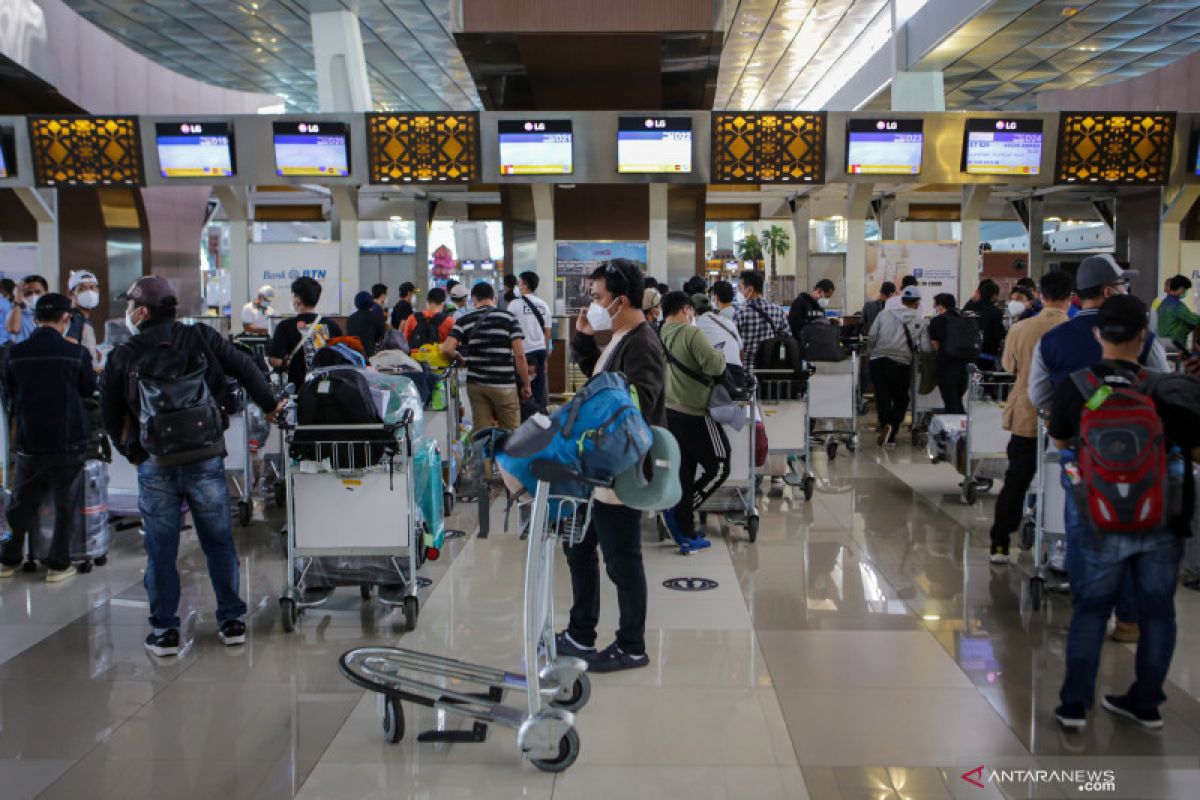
x=129 y=323
x=89 y=299
x=1015 y=308
x=598 y=316
x=823 y=302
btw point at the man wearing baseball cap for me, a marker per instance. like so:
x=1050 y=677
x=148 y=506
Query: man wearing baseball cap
x=894 y=337
x=256 y=313
x=85 y=296
x=1142 y=566
x=171 y=473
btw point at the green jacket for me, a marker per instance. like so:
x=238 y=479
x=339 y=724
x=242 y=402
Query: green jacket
x=1176 y=321
x=690 y=347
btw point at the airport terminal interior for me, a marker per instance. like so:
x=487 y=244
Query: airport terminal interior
x=818 y=176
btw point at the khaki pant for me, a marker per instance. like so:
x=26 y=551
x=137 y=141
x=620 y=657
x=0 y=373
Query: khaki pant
x=501 y=403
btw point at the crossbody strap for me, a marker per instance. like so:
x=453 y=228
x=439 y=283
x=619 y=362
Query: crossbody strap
x=767 y=317
x=686 y=370
x=537 y=314
x=309 y=330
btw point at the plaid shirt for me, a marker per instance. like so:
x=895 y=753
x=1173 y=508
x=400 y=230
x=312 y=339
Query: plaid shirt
x=755 y=329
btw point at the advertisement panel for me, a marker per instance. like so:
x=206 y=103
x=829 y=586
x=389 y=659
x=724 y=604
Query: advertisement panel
x=933 y=264
x=575 y=261
x=278 y=264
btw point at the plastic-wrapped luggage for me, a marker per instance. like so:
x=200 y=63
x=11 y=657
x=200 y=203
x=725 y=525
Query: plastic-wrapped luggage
x=91 y=536
x=948 y=442
x=394 y=395
x=427 y=478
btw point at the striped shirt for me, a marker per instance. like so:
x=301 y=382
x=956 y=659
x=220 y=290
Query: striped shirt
x=485 y=340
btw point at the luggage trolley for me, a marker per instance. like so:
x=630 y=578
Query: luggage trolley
x=1047 y=520
x=922 y=406
x=554 y=686
x=784 y=410
x=239 y=461
x=442 y=425
x=737 y=494
x=370 y=466
x=833 y=395
x=986 y=442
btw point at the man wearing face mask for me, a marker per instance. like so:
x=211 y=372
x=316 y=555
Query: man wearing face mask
x=20 y=320
x=757 y=320
x=1020 y=304
x=47 y=379
x=169 y=476
x=634 y=350
x=85 y=296
x=810 y=306
x=1175 y=320
x=257 y=313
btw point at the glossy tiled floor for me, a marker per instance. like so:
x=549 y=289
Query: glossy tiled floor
x=862 y=648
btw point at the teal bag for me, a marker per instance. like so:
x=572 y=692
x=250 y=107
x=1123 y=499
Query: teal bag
x=427 y=478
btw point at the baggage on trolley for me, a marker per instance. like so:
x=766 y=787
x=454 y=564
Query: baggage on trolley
x=833 y=398
x=91 y=535
x=736 y=497
x=1045 y=529
x=548 y=690
x=976 y=442
x=784 y=409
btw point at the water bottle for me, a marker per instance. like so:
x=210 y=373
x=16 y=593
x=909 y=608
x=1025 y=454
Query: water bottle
x=438 y=401
x=1176 y=470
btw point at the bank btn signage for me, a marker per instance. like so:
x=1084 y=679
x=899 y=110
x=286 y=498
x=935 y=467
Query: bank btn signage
x=280 y=264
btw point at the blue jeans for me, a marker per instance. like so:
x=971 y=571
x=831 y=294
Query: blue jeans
x=539 y=385
x=1102 y=568
x=1077 y=528
x=161 y=494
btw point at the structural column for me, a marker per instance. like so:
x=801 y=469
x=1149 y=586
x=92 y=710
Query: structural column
x=656 y=251
x=543 y=213
x=345 y=203
x=1036 y=225
x=858 y=208
x=235 y=201
x=42 y=206
x=338 y=56
x=1177 y=202
x=801 y=216
x=421 y=223
x=974 y=198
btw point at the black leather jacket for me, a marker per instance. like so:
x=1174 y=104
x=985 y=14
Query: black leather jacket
x=640 y=359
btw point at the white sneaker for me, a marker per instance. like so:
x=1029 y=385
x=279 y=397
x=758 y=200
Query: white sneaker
x=1057 y=560
x=8 y=570
x=56 y=575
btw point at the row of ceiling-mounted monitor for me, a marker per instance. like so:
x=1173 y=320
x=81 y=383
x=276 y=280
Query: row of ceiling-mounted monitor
x=746 y=148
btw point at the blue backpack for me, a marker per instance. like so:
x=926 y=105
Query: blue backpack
x=600 y=433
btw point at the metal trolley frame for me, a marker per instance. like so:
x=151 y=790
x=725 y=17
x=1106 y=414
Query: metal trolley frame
x=985 y=437
x=737 y=495
x=239 y=461
x=384 y=526
x=830 y=393
x=787 y=424
x=1034 y=530
x=554 y=687
x=451 y=418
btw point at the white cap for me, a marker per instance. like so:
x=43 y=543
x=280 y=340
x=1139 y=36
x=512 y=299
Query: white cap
x=459 y=292
x=267 y=291
x=80 y=276
x=911 y=293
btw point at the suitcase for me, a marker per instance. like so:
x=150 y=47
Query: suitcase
x=821 y=341
x=92 y=536
x=948 y=442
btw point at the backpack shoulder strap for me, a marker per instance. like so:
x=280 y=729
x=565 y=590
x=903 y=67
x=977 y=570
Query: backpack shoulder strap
x=309 y=330
x=537 y=314
x=767 y=317
x=1086 y=382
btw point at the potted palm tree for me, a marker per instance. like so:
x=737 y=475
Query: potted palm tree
x=775 y=243
x=749 y=249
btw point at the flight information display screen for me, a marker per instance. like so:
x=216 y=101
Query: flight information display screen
x=1002 y=147
x=3 y=161
x=312 y=149
x=194 y=149
x=884 y=146
x=536 y=147
x=8 y=153
x=654 y=145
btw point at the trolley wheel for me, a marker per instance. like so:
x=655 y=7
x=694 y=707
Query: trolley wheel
x=287 y=607
x=568 y=751
x=1037 y=591
x=29 y=566
x=243 y=513
x=985 y=484
x=1028 y=535
x=852 y=445
x=392 y=719
x=84 y=567
x=364 y=591
x=100 y=561
x=448 y=503
x=581 y=692
x=969 y=492
x=808 y=486
x=752 y=528
x=411 y=612
x=831 y=450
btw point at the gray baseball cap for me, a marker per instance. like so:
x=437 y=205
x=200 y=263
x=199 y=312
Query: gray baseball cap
x=1101 y=270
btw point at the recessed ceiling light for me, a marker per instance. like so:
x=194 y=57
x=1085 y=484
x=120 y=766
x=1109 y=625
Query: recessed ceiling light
x=1069 y=11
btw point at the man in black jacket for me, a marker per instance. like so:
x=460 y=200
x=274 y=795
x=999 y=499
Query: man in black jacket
x=635 y=351
x=810 y=306
x=162 y=488
x=47 y=378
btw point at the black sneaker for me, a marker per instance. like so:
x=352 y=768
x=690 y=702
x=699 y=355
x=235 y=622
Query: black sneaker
x=233 y=632
x=1071 y=716
x=1122 y=706
x=614 y=659
x=163 y=644
x=564 y=645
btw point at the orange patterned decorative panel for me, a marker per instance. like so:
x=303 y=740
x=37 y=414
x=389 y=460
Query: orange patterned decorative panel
x=407 y=148
x=768 y=147
x=86 y=151
x=1115 y=148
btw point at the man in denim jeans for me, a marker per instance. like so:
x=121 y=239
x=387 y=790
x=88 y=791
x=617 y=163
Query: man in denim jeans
x=1099 y=562
x=200 y=481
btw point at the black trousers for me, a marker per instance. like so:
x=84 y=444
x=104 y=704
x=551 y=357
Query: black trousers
x=704 y=445
x=60 y=474
x=1010 y=505
x=952 y=383
x=893 y=383
x=617 y=531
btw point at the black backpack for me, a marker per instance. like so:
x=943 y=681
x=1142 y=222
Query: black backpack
x=339 y=396
x=426 y=330
x=779 y=358
x=963 y=340
x=179 y=420
x=819 y=341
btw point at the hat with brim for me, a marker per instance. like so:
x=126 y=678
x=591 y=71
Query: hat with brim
x=652 y=484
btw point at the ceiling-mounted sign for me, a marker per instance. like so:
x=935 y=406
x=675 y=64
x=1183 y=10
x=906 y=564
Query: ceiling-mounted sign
x=884 y=146
x=423 y=148
x=654 y=145
x=1002 y=147
x=311 y=149
x=536 y=146
x=86 y=151
x=194 y=149
x=1115 y=148
x=768 y=147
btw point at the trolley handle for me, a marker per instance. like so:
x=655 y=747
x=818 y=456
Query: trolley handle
x=556 y=472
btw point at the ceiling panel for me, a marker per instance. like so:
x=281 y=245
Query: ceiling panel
x=265 y=46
